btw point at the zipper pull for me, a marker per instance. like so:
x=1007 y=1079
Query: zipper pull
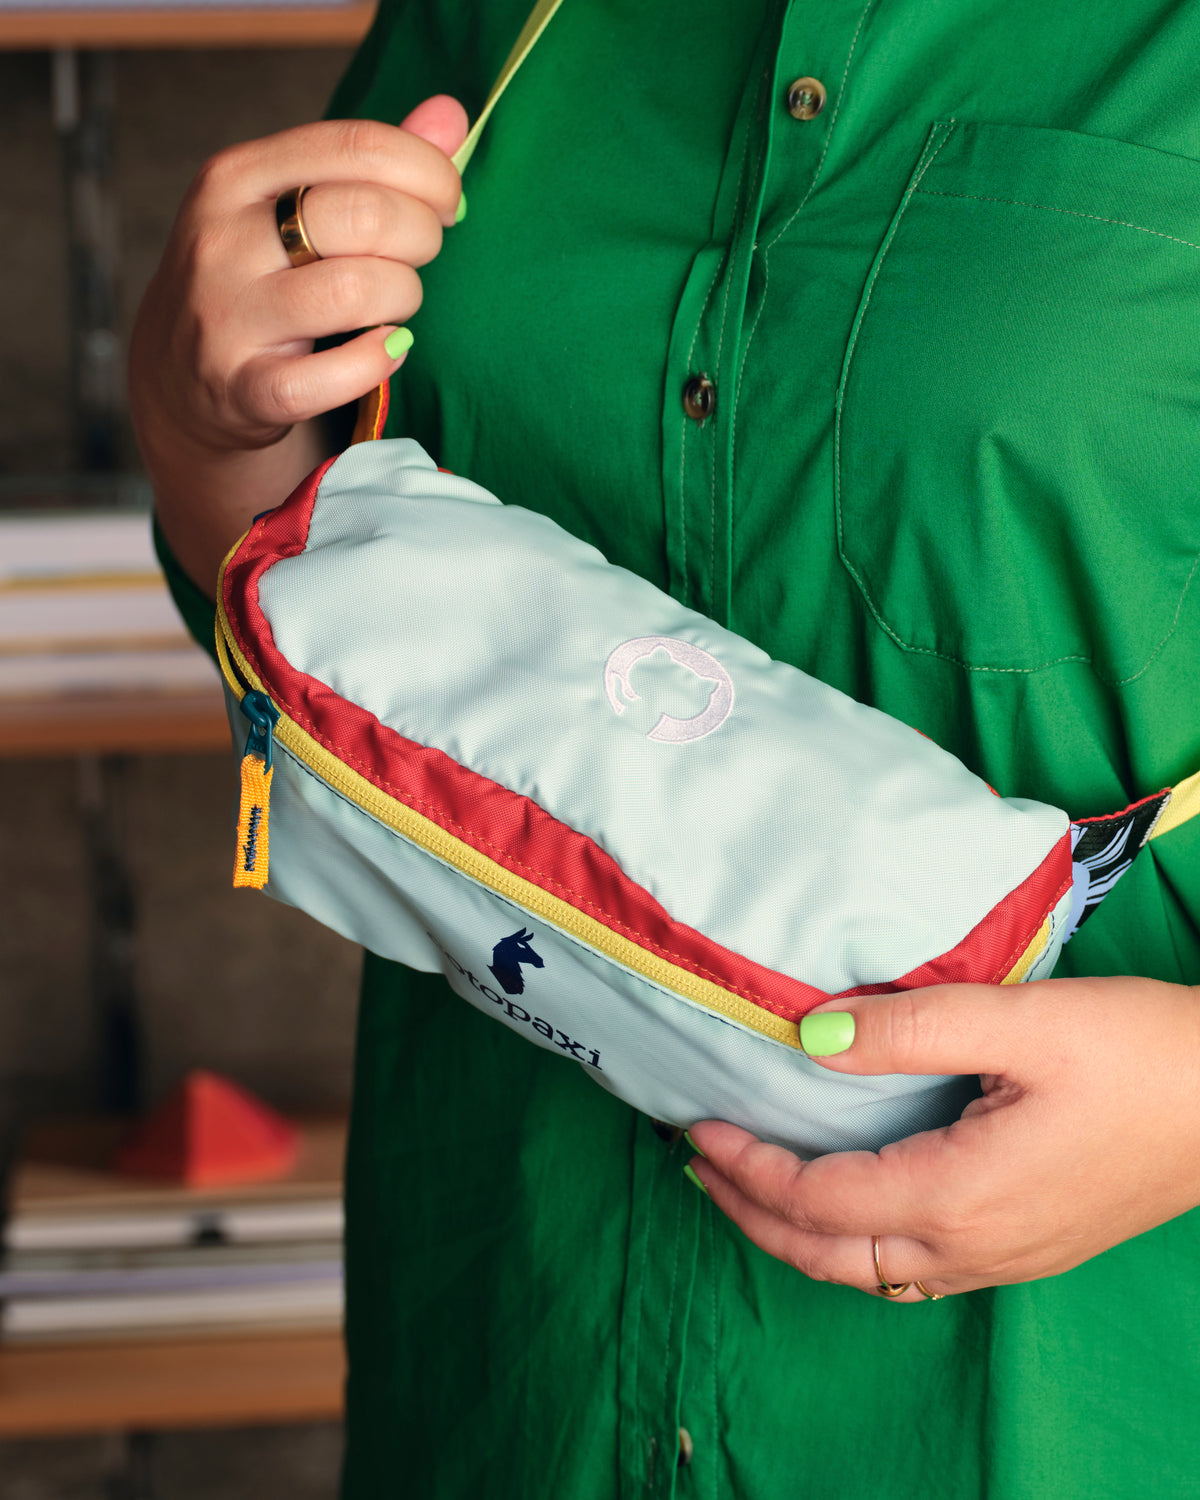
x=251 y=862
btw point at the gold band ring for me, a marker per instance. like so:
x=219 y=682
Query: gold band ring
x=885 y=1287
x=925 y=1292
x=289 y=216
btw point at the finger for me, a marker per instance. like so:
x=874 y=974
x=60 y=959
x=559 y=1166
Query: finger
x=355 y=218
x=805 y=1195
x=332 y=151
x=917 y=1186
x=951 y=1028
x=843 y=1259
x=328 y=297
x=278 y=391
x=441 y=120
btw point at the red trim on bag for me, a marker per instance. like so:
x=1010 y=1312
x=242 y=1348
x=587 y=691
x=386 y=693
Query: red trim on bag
x=522 y=837
x=989 y=951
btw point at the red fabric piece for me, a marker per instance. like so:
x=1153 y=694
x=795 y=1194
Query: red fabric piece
x=989 y=951
x=211 y=1133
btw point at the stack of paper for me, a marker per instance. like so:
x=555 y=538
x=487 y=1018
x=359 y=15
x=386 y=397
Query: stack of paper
x=84 y=609
x=92 y=1254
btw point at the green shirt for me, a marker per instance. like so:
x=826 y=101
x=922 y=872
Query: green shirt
x=951 y=467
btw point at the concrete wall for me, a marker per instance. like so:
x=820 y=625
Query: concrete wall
x=227 y=981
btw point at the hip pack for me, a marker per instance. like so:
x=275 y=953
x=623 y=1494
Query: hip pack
x=472 y=745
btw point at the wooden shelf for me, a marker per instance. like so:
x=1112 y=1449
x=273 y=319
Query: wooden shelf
x=114 y=724
x=41 y=28
x=216 y=1382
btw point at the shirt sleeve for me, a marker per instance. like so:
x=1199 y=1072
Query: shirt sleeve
x=198 y=611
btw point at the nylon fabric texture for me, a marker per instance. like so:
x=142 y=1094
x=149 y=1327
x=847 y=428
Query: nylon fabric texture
x=537 y=1299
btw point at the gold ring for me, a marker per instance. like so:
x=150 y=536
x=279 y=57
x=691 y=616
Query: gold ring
x=925 y=1292
x=289 y=216
x=885 y=1287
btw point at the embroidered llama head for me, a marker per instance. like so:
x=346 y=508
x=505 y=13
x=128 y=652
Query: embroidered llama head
x=507 y=957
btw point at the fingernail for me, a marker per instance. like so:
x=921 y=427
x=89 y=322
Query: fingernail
x=692 y=1178
x=827 y=1032
x=687 y=1137
x=460 y=213
x=398 y=342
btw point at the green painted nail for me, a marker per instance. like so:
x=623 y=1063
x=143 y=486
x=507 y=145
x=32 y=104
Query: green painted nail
x=460 y=213
x=687 y=1137
x=398 y=342
x=692 y=1178
x=827 y=1032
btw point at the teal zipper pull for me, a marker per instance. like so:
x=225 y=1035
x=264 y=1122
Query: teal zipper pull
x=263 y=716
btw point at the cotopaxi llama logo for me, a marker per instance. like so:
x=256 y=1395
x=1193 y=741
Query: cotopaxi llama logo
x=507 y=957
x=506 y=962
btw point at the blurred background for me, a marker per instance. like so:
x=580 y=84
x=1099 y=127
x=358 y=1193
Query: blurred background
x=125 y=959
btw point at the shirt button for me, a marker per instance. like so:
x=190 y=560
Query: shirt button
x=665 y=1132
x=699 y=397
x=685 y=1449
x=806 y=98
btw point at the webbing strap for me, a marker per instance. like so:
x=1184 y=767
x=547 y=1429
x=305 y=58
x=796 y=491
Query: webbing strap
x=372 y=408
x=538 y=20
x=1182 y=805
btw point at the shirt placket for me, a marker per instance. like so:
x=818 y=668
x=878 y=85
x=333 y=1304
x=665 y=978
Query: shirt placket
x=703 y=353
x=789 y=105
x=778 y=146
x=655 y=1311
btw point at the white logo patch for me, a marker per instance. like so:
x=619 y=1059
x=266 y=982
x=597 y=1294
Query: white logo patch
x=670 y=730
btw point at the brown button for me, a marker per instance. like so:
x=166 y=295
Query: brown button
x=685 y=1449
x=806 y=98
x=665 y=1132
x=699 y=397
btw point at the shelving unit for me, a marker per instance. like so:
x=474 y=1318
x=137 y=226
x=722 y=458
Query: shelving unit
x=36 y=28
x=144 y=1387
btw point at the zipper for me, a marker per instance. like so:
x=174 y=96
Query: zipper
x=251 y=865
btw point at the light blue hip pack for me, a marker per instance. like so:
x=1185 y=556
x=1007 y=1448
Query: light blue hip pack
x=473 y=745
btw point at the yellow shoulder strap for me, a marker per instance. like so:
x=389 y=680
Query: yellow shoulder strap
x=1182 y=805
x=372 y=408
x=539 y=19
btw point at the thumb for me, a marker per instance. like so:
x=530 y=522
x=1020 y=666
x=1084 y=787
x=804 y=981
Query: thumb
x=442 y=121
x=949 y=1028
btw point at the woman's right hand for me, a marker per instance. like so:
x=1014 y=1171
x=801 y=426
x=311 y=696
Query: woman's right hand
x=224 y=386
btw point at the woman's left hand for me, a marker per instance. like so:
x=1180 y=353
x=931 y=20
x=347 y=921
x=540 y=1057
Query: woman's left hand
x=1088 y=1133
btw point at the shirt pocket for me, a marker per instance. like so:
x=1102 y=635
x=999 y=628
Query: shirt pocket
x=1018 y=419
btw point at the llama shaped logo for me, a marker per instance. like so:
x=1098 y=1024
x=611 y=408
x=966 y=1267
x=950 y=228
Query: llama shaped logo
x=507 y=957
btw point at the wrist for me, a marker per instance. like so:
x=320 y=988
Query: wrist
x=206 y=497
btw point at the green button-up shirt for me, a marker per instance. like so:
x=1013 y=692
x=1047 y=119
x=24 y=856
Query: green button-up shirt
x=951 y=466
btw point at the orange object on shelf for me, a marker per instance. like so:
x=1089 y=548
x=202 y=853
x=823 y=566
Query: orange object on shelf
x=211 y=1133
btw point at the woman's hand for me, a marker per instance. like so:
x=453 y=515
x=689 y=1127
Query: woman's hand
x=224 y=384
x=1088 y=1133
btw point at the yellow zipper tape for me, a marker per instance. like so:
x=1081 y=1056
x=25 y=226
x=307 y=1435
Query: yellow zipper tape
x=1026 y=961
x=428 y=835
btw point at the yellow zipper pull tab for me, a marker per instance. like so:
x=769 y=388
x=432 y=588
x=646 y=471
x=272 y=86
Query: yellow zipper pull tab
x=251 y=862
